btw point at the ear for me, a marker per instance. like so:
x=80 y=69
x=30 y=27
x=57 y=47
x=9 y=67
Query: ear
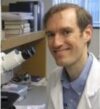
x=88 y=32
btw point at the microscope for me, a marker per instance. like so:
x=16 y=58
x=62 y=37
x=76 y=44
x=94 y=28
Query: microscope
x=8 y=62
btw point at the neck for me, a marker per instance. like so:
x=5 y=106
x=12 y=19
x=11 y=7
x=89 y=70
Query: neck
x=75 y=69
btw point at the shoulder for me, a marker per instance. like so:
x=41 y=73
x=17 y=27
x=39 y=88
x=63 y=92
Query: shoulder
x=95 y=69
x=55 y=75
x=56 y=72
x=95 y=64
x=93 y=82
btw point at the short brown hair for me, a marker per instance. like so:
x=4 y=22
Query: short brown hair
x=83 y=17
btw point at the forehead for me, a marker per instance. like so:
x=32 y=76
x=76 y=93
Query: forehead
x=66 y=17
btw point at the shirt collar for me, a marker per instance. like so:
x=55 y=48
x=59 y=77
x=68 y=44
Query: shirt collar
x=78 y=84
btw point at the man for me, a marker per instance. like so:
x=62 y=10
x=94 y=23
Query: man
x=76 y=84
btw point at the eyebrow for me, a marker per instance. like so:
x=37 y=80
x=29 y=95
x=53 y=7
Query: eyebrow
x=61 y=29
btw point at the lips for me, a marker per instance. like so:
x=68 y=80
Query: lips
x=60 y=52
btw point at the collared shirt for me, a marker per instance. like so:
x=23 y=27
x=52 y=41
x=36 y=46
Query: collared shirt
x=72 y=91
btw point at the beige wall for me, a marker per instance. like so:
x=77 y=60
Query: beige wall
x=95 y=43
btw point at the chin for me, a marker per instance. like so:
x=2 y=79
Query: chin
x=60 y=63
x=64 y=62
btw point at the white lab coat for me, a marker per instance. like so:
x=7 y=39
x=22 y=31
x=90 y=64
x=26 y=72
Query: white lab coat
x=91 y=95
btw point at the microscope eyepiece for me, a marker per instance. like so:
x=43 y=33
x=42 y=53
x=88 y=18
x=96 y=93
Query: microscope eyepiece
x=28 y=52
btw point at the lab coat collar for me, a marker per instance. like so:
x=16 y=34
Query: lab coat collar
x=56 y=94
x=92 y=86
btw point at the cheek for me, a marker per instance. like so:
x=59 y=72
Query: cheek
x=77 y=47
x=49 y=46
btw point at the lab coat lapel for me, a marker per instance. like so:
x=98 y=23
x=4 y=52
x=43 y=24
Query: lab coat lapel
x=56 y=96
x=85 y=102
x=92 y=87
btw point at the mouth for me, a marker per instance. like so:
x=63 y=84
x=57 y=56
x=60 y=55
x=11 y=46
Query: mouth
x=60 y=52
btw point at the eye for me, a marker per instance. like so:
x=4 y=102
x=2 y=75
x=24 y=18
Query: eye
x=66 y=32
x=50 y=34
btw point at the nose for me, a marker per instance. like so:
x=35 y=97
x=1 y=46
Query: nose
x=58 y=41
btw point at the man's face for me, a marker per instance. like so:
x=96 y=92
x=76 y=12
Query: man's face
x=66 y=43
